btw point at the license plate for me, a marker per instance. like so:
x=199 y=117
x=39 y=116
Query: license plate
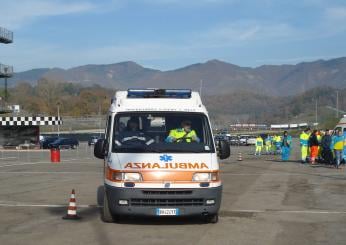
x=167 y=211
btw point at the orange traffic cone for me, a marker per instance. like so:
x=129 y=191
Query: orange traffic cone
x=72 y=208
x=240 y=157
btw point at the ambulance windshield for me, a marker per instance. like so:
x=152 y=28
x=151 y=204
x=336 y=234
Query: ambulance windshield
x=162 y=132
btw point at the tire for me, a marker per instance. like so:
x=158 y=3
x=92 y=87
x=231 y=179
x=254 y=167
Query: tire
x=212 y=218
x=106 y=215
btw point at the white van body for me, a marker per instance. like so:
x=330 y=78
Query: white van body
x=341 y=126
x=153 y=177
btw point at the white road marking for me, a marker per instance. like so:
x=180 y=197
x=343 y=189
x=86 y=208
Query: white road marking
x=285 y=211
x=46 y=205
x=232 y=210
x=50 y=172
x=6 y=158
x=33 y=163
x=20 y=164
x=285 y=174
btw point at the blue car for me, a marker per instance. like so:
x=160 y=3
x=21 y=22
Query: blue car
x=64 y=143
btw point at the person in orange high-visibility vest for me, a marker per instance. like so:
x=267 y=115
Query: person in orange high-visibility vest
x=313 y=143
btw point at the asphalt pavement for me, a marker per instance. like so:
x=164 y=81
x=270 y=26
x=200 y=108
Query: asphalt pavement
x=265 y=201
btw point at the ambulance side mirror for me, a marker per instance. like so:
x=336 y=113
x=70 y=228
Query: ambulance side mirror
x=224 y=150
x=99 y=149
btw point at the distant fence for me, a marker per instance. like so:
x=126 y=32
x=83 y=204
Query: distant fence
x=252 y=126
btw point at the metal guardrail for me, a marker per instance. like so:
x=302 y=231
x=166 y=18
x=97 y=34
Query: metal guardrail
x=6 y=71
x=6 y=36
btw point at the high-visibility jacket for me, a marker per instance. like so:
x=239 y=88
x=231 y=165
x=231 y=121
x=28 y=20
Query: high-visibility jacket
x=268 y=141
x=259 y=141
x=319 y=138
x=304 y=139
x=278 y=140
x=338 y=142
x=181 y=136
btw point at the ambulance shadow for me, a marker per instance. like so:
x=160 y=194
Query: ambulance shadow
x=161 y=221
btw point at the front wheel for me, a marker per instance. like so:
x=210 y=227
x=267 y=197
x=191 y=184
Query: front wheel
x=212 y=218
x=106 y=214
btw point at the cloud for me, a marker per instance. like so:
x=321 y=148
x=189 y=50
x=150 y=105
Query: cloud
x=16 y=14
x=245 y=31
x=188 y=3
x=40 y=54
x=336 y=13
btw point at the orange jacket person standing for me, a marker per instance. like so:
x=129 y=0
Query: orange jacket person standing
x=313 y=143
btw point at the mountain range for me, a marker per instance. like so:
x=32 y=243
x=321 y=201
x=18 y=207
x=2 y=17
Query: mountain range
x=215 y=76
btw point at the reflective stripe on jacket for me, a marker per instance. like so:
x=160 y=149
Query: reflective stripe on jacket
x=259 y=141
x=338 y=142
x=304 y=139
x=180 y=133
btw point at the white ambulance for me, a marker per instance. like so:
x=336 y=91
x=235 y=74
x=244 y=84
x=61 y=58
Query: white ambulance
x=152 y=167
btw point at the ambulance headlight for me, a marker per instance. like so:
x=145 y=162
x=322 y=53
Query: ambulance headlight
x=132 y=177
x=117 y=176
x=205 y=177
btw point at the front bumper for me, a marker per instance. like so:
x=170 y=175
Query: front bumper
x=145 y=201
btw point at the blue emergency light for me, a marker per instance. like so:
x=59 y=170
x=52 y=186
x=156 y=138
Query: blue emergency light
x=159 y=93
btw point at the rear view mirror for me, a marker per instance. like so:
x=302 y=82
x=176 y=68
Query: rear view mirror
x=224 y=150
x=99 y=149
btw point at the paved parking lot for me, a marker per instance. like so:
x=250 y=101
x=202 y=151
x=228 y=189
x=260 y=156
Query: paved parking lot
x=265 y=201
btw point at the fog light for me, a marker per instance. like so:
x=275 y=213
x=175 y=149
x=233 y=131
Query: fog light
x=123 y=202
x=210 y=202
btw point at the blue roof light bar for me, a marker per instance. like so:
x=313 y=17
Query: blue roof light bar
x=159 y=93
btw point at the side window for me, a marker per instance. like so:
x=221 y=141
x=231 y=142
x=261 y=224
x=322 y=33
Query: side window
x=108 y=131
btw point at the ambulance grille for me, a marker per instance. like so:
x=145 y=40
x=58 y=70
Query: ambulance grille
x=167 y=192
x=167 y=202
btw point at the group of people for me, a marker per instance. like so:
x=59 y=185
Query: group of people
x=315 y=145
x=322 y=146
x=274 y=144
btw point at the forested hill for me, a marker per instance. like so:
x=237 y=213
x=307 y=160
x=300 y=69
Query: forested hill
x=217 y=77
x=241 y=106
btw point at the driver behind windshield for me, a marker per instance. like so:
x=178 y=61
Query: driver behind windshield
x=132 y=135
x=183 y=134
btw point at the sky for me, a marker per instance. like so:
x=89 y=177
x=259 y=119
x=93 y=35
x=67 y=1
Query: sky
x=169 y=34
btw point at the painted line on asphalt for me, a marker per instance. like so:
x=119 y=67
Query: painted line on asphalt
x=5 y=158
x=33 y=163
x=285 y=211
x=283 y=174
x=233 y=210
x=50 y=172
x=46 y=205
x=21 y=164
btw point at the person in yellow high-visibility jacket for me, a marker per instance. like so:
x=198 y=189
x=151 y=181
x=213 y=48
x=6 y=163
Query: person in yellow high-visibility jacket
x=277 y=144
x=273 y=144
x=183 y=134
x=268 y=144
x=338 y=144
x=304 y=144
x=259 y=145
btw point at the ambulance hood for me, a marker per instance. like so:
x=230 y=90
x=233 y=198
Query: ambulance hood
x=163 y=161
